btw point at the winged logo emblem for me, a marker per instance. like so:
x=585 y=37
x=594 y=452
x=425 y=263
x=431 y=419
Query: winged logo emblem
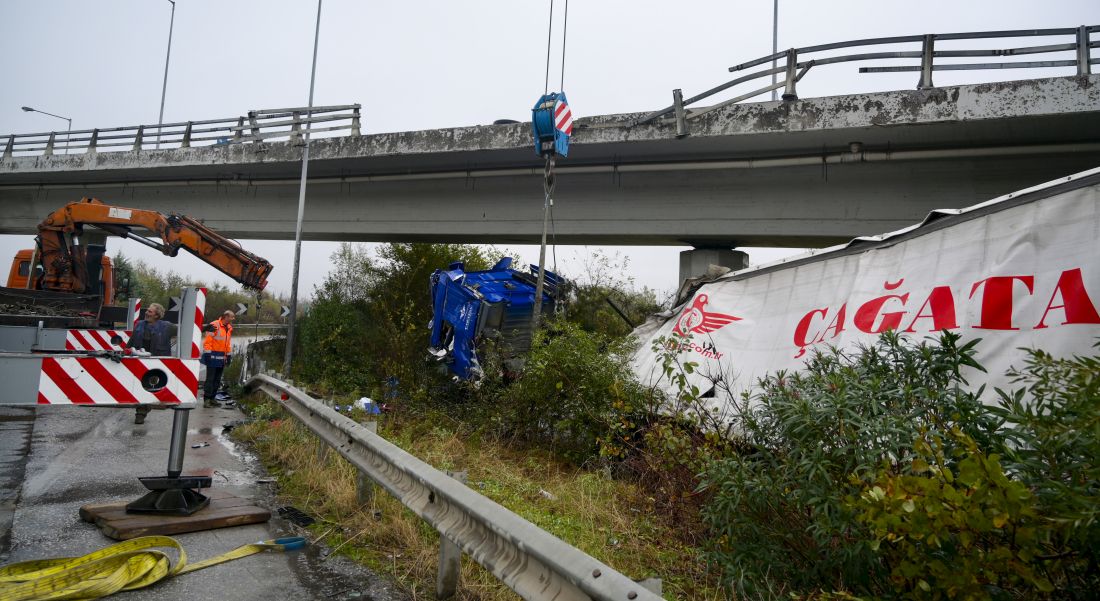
x=696 y=319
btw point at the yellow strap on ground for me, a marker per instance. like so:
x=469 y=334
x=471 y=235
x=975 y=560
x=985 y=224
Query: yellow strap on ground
x=125 y=566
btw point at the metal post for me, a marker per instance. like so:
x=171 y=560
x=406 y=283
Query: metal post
x=186 y=142
x=68 y=134
x=681 y=117
x=775 y=40
x=179 y=439
x=138 y=139
x=364 y=486
x=450 y=559
x=93 y=142
x=355 y=121
x=926 y=55
x=49 y=145
x=789 y=92
x=301 y=206
x=9 y=147
x=1083 y=67
x=164 y=86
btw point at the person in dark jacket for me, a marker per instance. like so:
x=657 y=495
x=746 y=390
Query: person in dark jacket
x=154 y=336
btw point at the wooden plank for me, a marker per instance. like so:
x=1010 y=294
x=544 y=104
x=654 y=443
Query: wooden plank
x=91 y=511
x=117 y=512
x=203 y=520
x=225 y=511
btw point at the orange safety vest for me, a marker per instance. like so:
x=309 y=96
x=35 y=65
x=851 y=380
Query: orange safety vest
x=218 y=340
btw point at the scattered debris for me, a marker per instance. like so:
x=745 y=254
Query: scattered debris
x=295 y=515
x=233 y=424
x=547 y=495
x=200 y=445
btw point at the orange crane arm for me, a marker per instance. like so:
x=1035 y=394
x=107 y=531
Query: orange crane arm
x=63 y=256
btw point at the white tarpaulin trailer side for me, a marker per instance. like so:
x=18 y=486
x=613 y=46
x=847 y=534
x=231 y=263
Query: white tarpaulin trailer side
x=1021 y=270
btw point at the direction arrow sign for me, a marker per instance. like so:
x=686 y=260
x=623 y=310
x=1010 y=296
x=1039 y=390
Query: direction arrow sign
x=241 y=309
x=173 y=303
x=286 y=311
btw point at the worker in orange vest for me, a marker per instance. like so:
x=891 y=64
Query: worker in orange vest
x=216 y=349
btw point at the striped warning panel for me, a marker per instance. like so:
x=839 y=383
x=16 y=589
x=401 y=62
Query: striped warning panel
x=137 y=312
x=101 y=381
x=200 y=308
x=95 y=340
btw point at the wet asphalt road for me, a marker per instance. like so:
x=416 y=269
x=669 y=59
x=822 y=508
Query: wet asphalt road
x=55 y=459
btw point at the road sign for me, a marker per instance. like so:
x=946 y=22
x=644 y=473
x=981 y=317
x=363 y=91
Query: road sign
x=173 y=303
x=241 y=309
x=286 y=311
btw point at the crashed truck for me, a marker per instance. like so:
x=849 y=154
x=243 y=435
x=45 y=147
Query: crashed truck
x=1021 y=270
x=474 y=309
x=59 y=344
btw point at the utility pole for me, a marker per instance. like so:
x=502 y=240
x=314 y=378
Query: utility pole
x=301 y=208
x=775 y=39
x=164 y=86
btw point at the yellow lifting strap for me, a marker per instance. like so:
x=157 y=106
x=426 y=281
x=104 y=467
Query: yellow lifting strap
x=125 y=566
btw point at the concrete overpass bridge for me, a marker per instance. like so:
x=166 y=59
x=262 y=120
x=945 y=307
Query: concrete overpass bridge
x=785 y=173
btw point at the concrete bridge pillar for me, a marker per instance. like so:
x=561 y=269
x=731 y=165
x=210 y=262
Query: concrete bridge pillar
x=697 y=261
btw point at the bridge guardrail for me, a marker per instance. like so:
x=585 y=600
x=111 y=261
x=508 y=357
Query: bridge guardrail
x=795 y=64
x=529 y=560
x=263 y=125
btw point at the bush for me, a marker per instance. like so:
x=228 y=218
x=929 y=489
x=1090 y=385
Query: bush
x=576 y=394
x=1053 y=446
x=965 y=533
x=778 y=514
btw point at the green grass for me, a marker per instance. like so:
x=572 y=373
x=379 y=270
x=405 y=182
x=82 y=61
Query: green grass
x=612 y=520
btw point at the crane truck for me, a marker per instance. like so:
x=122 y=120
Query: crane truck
x=54 y=350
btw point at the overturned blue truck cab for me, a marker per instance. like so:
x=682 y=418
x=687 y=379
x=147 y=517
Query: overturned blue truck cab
x=473 y=308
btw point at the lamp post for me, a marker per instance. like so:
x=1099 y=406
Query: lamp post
x=67 y=131
x=291 y=324
x=775 y=38
x=164 y=86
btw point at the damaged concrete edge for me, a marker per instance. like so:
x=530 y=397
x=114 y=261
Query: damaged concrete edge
x=987 y=101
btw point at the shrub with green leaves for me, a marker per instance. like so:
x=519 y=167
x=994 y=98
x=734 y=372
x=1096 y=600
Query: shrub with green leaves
x=1052 y=431
x=968 y=532
x=777 y=512
x=577 y=394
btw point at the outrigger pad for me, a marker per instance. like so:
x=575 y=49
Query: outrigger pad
x=171 y=496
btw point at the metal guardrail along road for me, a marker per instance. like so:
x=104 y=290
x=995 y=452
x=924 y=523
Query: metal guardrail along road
x=266 y=125
x=529 y=560
x=795 y=64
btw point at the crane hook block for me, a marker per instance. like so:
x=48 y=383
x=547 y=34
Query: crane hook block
x=552 y=123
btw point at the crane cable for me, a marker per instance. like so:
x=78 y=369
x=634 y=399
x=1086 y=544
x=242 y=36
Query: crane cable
x=548 y=172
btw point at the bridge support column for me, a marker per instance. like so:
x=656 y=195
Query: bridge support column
x=697 y=261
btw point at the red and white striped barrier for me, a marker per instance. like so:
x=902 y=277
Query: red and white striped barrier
x=137 y=312
x=197 y=334
x=101 y=381
x=95 y=340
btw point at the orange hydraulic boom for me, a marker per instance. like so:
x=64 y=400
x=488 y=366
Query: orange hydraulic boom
x=63 y=258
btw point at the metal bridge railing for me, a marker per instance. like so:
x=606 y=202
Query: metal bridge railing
x=266 y=125
x=796 y=62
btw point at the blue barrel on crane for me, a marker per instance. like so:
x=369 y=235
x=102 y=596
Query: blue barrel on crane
x=552 y=124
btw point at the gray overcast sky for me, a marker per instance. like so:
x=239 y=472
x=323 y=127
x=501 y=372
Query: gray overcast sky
x=435 y=63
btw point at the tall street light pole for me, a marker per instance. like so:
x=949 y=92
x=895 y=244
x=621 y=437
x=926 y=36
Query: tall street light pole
x=164 y=86
x=775 y=38
x=67 y=131
x=301 y=207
